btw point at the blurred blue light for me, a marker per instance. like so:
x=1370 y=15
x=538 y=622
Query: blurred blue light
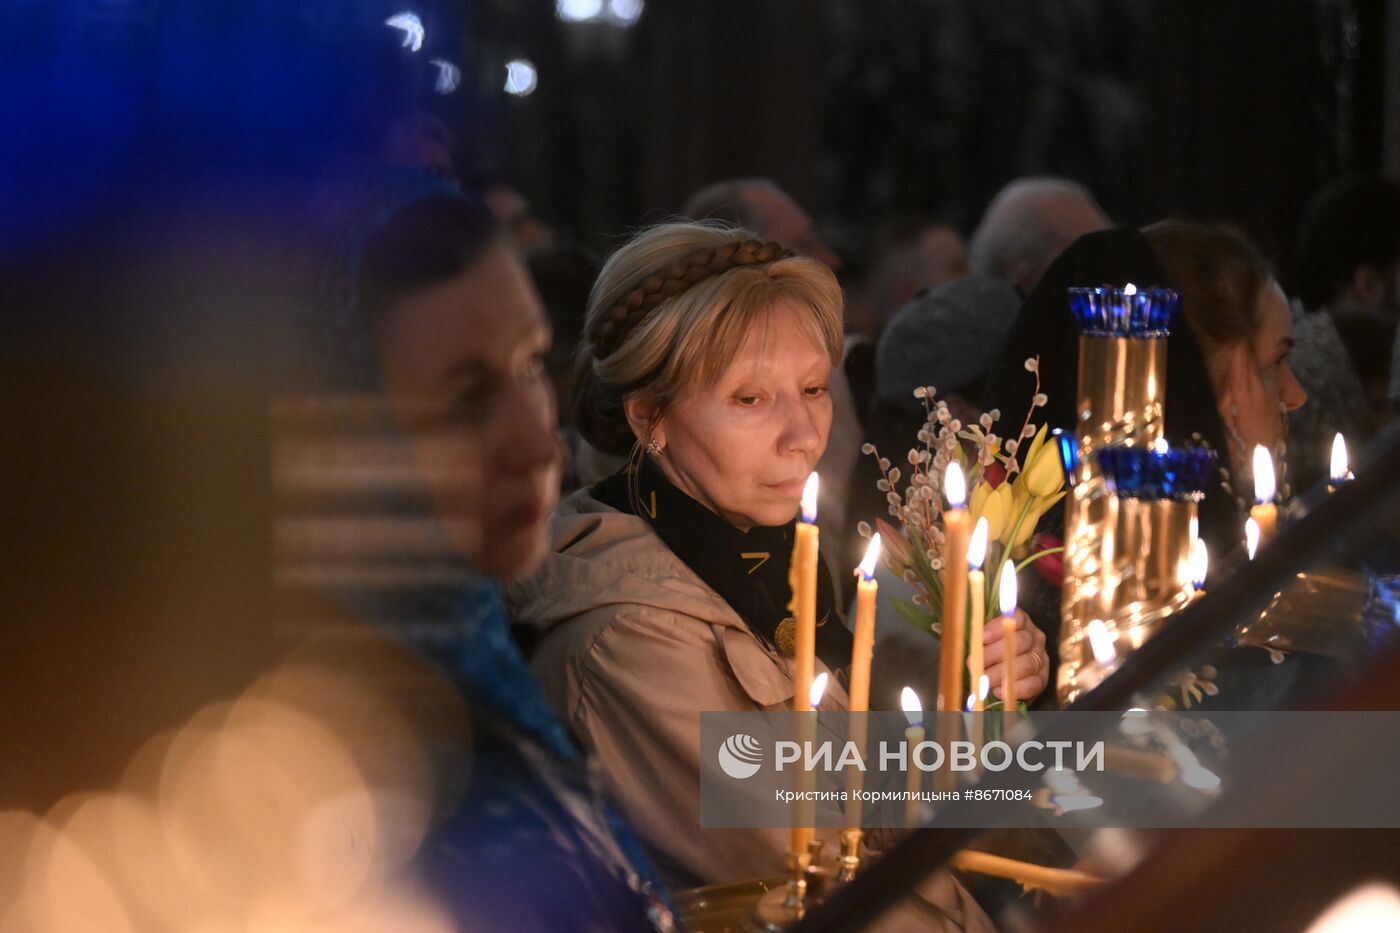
x=412 y=28
x=521 y=77
x=578 y=11
x=448 y=78
x=625 y=12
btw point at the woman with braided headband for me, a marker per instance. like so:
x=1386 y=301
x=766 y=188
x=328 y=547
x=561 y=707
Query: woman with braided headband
x=705 y=364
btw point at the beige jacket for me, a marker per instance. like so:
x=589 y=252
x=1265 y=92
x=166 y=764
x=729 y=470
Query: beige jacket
x=632 y=647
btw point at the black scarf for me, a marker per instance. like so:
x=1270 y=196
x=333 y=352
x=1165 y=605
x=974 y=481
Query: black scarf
x=748 y=568
x=1045 y=327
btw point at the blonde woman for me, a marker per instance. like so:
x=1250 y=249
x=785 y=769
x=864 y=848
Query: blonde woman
x=708 y=355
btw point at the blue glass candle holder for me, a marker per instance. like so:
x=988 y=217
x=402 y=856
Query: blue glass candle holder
x=1124 y=312
x=1179 y=473
x=1068 y=446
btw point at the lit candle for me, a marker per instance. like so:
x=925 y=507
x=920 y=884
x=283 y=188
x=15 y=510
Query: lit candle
x=1200 y=563
x=804 y=810
x=1007 y=606
x=1265 y=513
x=1341 y=470
x=914 y=712
x=976 y=594
x=1101 y=642
x=952 y=648
x=1251 y=537
x=863 y=642
x=862 y=648
x=802 y=576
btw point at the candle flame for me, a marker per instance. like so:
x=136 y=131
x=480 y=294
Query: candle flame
x=955 y=486
x=1184 y=569
x=818 y=689
x=809 y=500
x=1130 y=289
x=1101 y=642
x=1160 y=445
x=971 y=702
x=913 y=706
x=1339 y=458
x=984 y=686
x=1008 y=589
x=1251 y=537
x=1265 y=488
x=1200 y=563
x=977 y=545
x=872 y=555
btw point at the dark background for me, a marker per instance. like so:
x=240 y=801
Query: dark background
x=868 y=109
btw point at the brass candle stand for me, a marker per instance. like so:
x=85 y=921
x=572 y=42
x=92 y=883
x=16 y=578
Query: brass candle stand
x=782 y=907
x=1130 y=514
x=850 y=854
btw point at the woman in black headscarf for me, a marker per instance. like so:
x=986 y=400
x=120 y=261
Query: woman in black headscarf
x=1228 y=382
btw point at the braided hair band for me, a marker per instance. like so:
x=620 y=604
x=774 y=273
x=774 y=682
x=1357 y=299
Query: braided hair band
x=610 y=329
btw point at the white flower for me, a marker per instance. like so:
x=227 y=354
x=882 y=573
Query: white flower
x=1040 y=399
x=985 y=421
x=955 y=425
x=883 y=485
x=936 y=563
x=1033 y=364
x=867 y=448
x=921 y=392
x=995 y=413
x=894 y=475
x=885 y=464
x=1011 y=446
x=863 y=529
x=913 y=456
x=1028 y=431
x=909 y=577
x=892 y=498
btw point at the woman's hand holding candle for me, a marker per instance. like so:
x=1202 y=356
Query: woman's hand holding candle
x=1029 y=662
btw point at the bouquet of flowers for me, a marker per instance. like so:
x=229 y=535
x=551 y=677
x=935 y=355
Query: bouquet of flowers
x=1010 y=491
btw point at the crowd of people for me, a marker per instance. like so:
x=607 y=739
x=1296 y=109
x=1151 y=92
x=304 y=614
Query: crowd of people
x=609 y=443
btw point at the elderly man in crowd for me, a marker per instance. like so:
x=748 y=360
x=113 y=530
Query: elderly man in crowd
x=1027 y=224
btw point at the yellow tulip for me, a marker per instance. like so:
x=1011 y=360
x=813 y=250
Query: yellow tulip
x=1043 y=474
x=994 y=505
x=1039 y=506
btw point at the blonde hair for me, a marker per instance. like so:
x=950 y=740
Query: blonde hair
x=688 y=340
